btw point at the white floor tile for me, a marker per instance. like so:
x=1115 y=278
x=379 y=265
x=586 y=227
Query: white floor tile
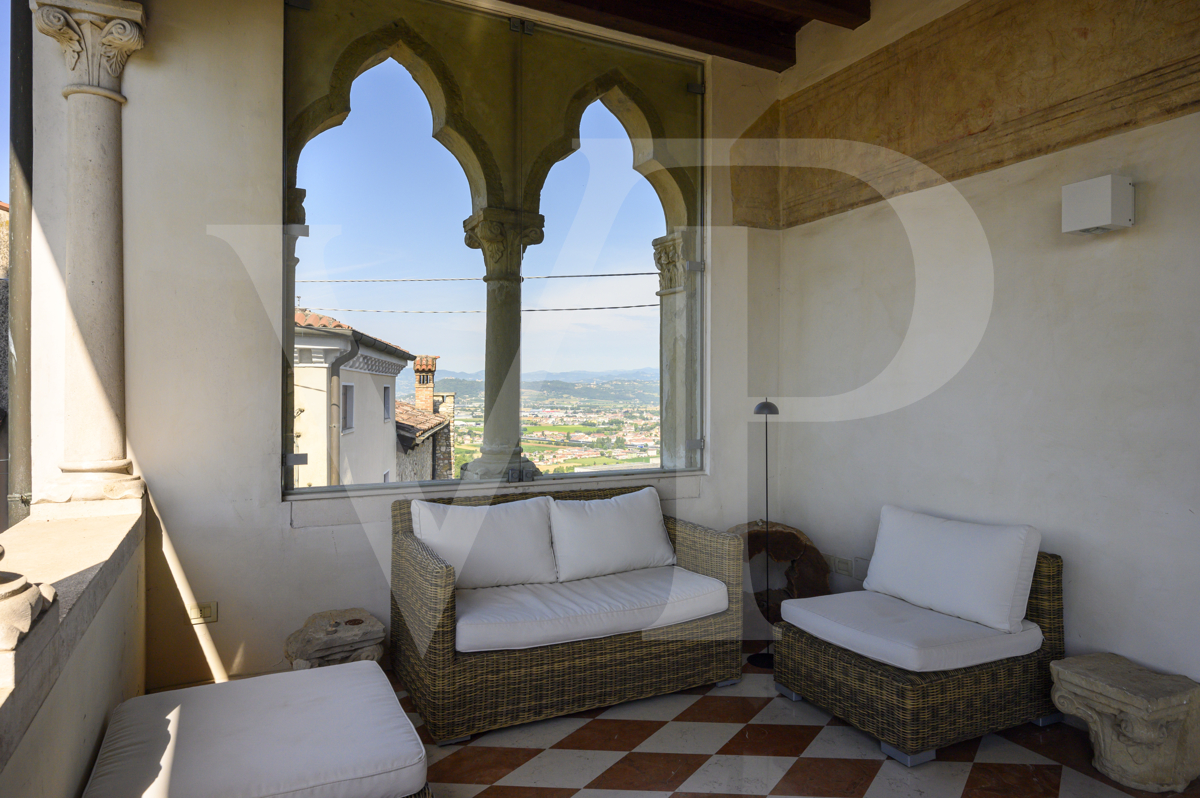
x=792 y=713
x=690 y=738
x=742 y=775
x=401 y=694
x=539 y=734
x=416 y=719
x=662 y=707
x=435 y=753
x=844 y=742
x=563 y=768
x=457 y=790
x=1077 y=785
x=996 y=749
x=930 y=780
x=752 y=684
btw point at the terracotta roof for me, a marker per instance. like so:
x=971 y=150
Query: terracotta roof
x=426 y=363
x=417 y=424
x=306 y=318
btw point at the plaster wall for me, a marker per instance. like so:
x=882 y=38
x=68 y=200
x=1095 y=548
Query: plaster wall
x=370 y=448
x=56 y=753
x=312 y=426
x=1076 y=414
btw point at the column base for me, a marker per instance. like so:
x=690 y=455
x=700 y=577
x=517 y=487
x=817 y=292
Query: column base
x=86 y=486
x=500 y=468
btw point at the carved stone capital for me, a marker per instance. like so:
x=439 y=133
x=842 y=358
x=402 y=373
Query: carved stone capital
x=1144 y=726
x=502 y=235
x=96 y=37
x=670 y=261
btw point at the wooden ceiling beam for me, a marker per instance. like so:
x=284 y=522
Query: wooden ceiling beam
x=760 y=41
x=843 y=13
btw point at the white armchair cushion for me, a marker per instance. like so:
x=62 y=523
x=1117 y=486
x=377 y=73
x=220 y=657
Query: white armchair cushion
x=894 y=632
x=499 y=544
x=977 y=572
x=609 y=536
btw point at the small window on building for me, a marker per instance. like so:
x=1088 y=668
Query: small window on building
x=388 y=406
x=347 y=408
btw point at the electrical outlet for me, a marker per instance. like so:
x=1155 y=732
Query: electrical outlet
x=203 y=613
x=843 y=566
x=861 y=564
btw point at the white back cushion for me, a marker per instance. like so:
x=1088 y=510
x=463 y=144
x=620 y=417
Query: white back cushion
x=500 y=544
x=978 y=572
x=609 y=536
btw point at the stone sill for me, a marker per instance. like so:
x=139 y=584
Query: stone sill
x=81 y=549
x=341 y=506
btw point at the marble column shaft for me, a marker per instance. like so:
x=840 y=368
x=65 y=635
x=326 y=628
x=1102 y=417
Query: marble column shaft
x=96 y=37
x=502 y=236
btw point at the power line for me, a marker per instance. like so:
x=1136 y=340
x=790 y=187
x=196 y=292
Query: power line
x=523 y=310
x=480 y=279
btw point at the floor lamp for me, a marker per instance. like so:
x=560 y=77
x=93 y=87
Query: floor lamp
x=765 y=408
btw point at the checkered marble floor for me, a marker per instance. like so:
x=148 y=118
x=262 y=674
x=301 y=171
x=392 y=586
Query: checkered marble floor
x=745 y=740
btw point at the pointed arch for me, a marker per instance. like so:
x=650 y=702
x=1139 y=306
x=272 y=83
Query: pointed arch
x=634 y=110
x=451 y=129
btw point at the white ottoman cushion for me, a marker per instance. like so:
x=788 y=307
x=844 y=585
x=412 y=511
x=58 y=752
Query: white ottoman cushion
x=892 y=631
x=335 y=732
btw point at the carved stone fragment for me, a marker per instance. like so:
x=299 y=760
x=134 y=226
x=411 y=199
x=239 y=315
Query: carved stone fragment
x=334 y=637
x=1144 y=725
x=21 y=602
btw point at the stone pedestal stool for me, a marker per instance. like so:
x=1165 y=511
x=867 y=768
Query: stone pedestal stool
x=1145 y=726
x=330 y=638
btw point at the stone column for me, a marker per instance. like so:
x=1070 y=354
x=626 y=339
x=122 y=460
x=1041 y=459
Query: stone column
x=97 y=37
x=677 y=352
x=502 y=236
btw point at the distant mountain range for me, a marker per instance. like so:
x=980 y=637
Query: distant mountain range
x=638 y=375
x=639 y=387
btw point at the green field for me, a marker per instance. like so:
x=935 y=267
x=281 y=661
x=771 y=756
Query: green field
x=566 y=429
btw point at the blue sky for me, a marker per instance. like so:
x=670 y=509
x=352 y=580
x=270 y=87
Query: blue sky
x=385 y=201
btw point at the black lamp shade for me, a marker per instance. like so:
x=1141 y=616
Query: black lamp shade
x=765 y=408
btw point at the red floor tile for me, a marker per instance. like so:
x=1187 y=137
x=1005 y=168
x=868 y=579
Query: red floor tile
x=960 y=752
x=767 y=739
x=990 y=780
x=646 y=771
x=724 y=709
x=835 y=778
x=527 y=792
x=479 y=764
x=610 y=735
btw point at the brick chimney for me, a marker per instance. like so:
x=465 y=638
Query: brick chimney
x=424 y=368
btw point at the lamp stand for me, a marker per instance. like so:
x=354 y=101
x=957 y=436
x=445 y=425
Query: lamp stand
x=766 y=659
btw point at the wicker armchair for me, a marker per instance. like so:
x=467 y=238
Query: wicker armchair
x=460 y=694
x=916 y=713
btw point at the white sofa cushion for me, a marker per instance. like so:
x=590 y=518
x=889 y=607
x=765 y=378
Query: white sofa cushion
x=608 y=536
x=895 y=632
x=977 y=572
x=328 y=732
x=525 y=616
x=499 y=544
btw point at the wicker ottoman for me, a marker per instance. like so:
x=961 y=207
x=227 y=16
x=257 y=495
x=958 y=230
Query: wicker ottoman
x=335 y=732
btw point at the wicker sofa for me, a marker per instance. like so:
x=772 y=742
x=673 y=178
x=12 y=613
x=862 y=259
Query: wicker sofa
x=463 y=693
x=914 y=713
